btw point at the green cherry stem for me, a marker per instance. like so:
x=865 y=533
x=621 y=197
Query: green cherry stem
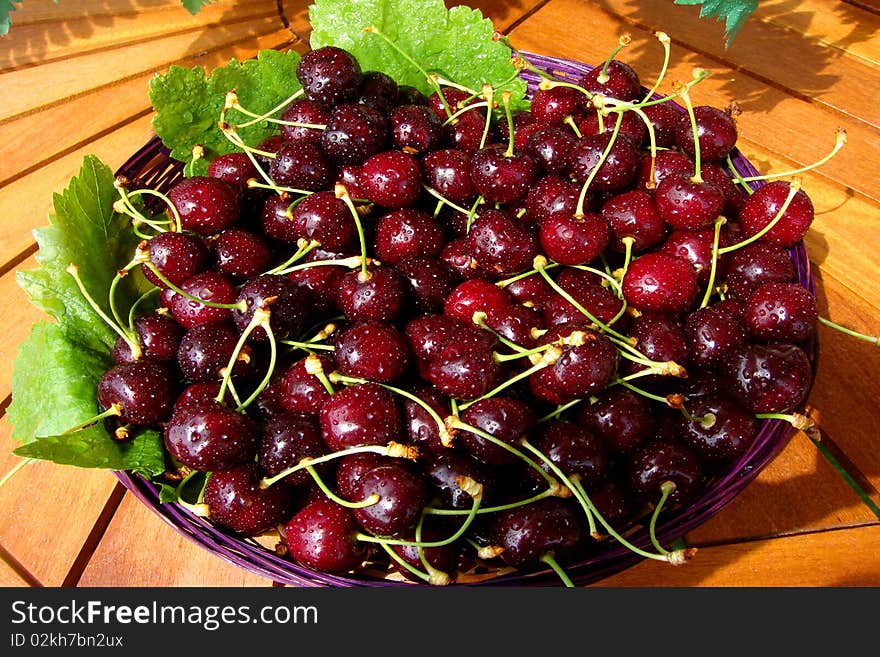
x=303 y=247
x=342 y=193
x=838 y=144
x=548 y=357
x=314 y=367
x=370 y=500
x=719 y=222
x=392 y=449
x=664 y=40
x=239 y=305
x=256 y=321
x=873 y=339
x=130 y=338
x=550 y=559
x=622 y=43
x=233 y=103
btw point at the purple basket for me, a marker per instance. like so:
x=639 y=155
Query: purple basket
x=153 y=166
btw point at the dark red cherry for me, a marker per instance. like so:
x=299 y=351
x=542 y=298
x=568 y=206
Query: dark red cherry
x=768 y=378
x=415 y=128
x=372 y=350
x=711 y=333
x=616 y=80
x=210 y=436
x=660 y=282
x=300 y=390
x=329 y=75
x=448 y=172
x=572 y=239
x=302 y=165
x=208 y=286
x=761 y=208
x=361 y=414
x=431 y=281
x=407 y=232
x=324 y=535
x=206 y=349
x=143 y=391
x=391 y=179
x=572 y=448
x=633 y=214
x=158 y=336
x=237 y=502
x=662 y=460
x=286 y=302
x=507 y=419
x=500 y=244
x=718 y=428
x=622 y=418
x=755 y=264
x=241 y=253
x=205 y=205
x=354 y=133
x=304 y=120
x=784 y=312
x=686 y=204
x=379 y=295
x=549 y=527
x=503 y=177
x=402 y=496
x=617 y=171
x=287 y=438
x=177 y=256
x=716 y=132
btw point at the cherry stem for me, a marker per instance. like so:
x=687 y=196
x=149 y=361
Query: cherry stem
x=485 y=435
x=428 y=76
x=370 y=500
x=548 y=358
x=253 y=183
x=231 y=102
x=666 y=489
x=130 y=339
x=622 y=43
x=125 y=198
x=794 y=187
x=238 y=305
x=392 y=449
x=697 y=177
x=232 y=136
x=559 y=410
x=342 y=192
x=479 y=319
x=550 y=560
x=114 y=410
x=304 y=246
x=719 y=222
x=260 y=316
x=664 y=40
x=540 y=266
x=16 y=468
x=443 y=200
x=314 y=367
x=566 y=481
x=552 y=491
x=873 y=339
x=273 y=357
x=351 y=262
x=838 y=144
x=613 y=532
x=579 y=211
x=508 y=114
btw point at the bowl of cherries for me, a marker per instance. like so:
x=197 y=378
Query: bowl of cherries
x=426 y=339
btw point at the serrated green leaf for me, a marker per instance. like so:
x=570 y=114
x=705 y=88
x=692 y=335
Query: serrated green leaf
x=53 y=389
x=733 y=12
x=456 y=43
x=188 y=102
x=83 y=230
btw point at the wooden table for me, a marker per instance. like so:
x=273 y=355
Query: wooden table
x=74 y=81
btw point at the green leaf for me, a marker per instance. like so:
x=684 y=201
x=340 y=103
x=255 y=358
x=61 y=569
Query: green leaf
x=188 y=102
x=83 y=230
x=193 y=6
x=53 y=389
x=6 y=8
x=456 y=43
x=733 y=12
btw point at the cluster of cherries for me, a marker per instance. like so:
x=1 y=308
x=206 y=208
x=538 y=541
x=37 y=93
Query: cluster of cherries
x=429 y=332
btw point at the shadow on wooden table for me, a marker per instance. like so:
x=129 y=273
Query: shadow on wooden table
x=771 y=44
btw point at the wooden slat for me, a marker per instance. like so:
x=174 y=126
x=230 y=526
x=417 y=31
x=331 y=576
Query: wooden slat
x=786 y=57
x=140 y=549
x=49 y=511
x=64 y=37
x=841 y=558
x=109 y=66
x=797 y=492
